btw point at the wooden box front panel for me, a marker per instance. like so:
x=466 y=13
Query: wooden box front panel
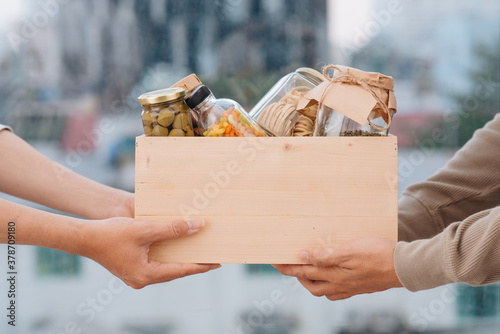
x=266 y=199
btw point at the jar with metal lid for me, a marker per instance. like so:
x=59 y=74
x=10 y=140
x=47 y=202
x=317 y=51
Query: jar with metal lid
x=339 y=116
x=166 y=114
x=221 y=117
x=277 y=112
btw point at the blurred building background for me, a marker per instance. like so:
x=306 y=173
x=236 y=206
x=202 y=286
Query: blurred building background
x=68 y=66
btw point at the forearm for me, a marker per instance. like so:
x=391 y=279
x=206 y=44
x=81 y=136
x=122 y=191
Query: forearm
x=39 y=228
x=27 y=174
x=465 y=252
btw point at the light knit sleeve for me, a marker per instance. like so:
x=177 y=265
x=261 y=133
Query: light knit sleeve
x=469 y=183
x=466 y=252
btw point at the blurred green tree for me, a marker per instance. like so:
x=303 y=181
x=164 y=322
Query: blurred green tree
x=482 y=102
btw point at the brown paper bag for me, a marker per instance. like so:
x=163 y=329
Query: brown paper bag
x=359 y=95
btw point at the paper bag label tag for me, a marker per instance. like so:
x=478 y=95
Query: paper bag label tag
x=349 y=100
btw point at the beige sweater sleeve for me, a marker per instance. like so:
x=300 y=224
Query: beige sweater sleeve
x=454 y=214
x=467 y=252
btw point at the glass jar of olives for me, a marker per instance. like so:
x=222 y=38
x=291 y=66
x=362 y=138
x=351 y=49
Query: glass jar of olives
x=166 y=114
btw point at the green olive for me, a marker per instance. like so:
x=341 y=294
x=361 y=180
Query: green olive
x=181 y=121
x=148 y=119
x=177 y=133
x=184 y=108
x=189 y=132
x=160 y=131
x=148 y=131
x=166 y=117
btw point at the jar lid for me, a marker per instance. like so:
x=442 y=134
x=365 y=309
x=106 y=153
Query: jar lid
x=198 y=96
x=160 y=96
x=312 y=75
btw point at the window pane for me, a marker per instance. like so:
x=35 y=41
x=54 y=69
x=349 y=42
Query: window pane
x=51 y=262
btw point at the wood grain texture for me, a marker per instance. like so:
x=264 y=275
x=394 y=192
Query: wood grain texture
x=266 y=199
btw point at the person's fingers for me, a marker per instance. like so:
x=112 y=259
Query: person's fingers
x=157 y=231
x=163 y=272
x=324 y=257
x=157 y=272
x=318 y=288
x=280 y=267
x=305 y=271
x=290 y=269
x=340 y=296
x=331 y=290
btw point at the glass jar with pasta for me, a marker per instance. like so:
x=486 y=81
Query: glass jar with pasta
x=221 y=117
x=277 y=111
